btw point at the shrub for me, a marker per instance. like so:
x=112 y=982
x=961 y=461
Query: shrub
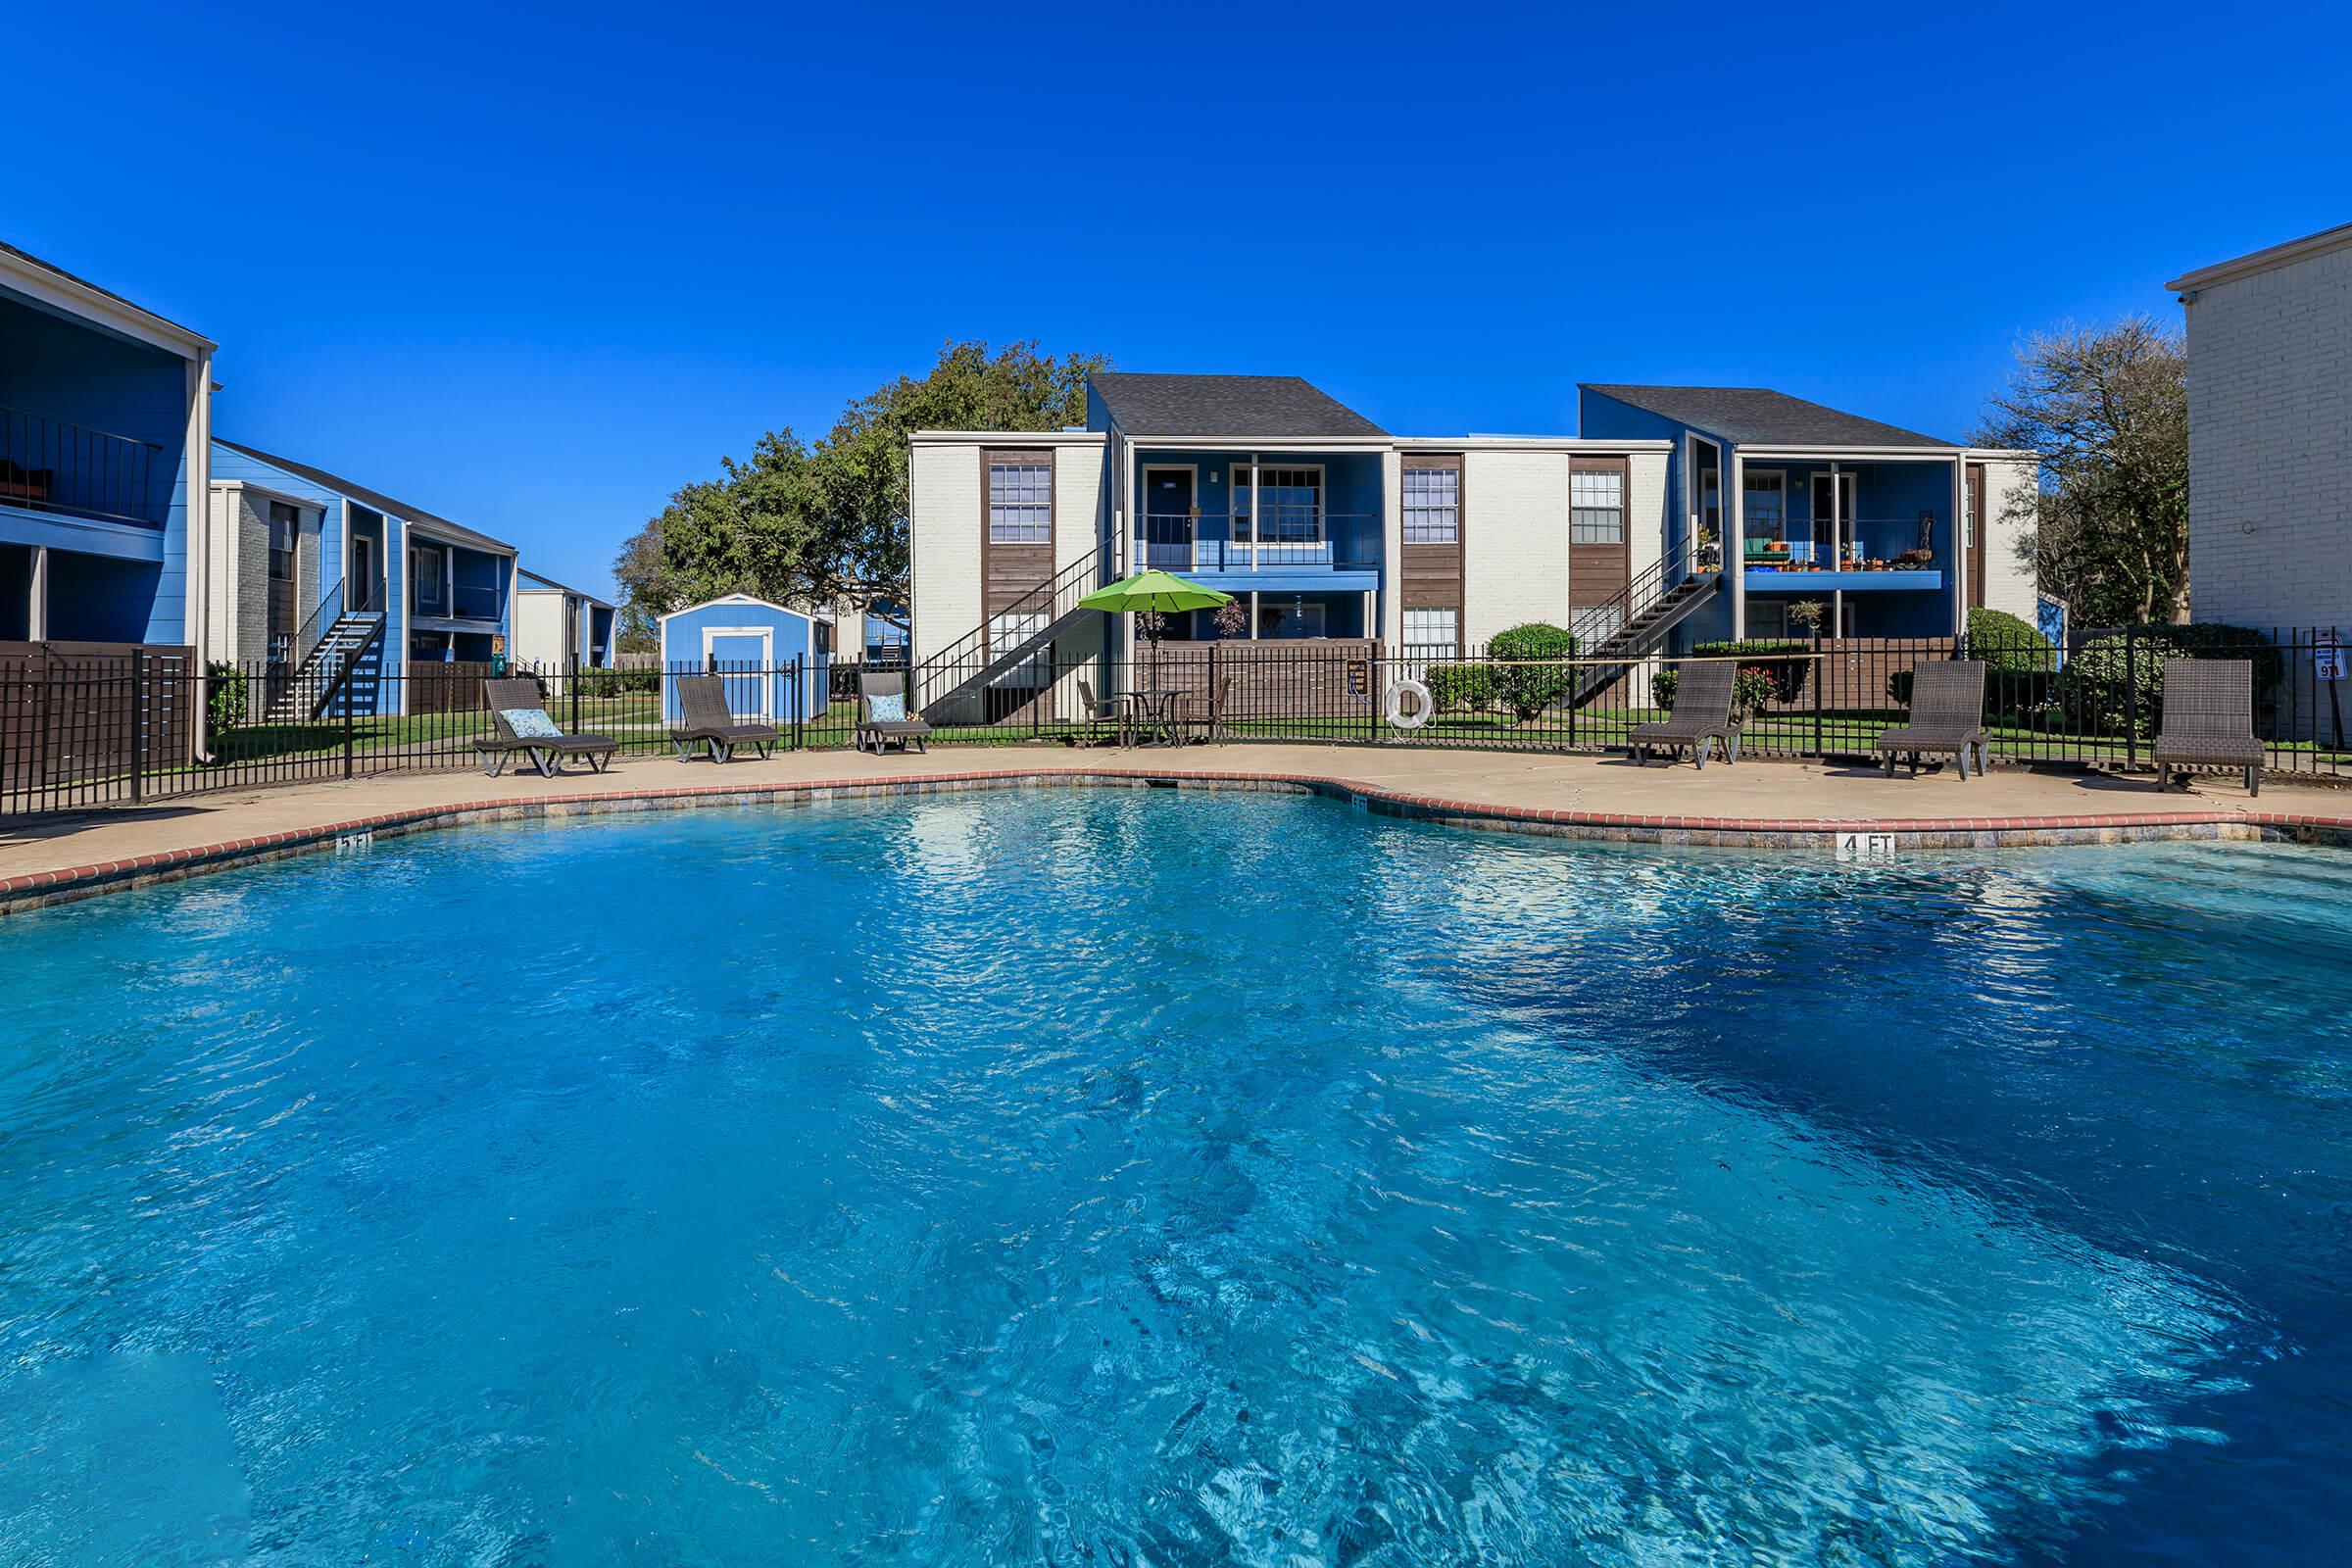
x=1751 y=689
x=1527 y=689
x=226 y=702
x=2115 y=679
x=1788 y=675
x=1460 y=686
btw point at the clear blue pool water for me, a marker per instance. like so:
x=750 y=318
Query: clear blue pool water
x=1134 y=1179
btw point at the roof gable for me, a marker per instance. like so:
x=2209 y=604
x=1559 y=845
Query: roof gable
x=1757 y=415
x=373 y=499
x=1270 y=406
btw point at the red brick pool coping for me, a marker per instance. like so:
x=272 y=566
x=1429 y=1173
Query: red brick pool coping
x=39 y=887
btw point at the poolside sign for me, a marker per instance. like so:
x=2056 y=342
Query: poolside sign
x=1865 y=846
x=2327 y=656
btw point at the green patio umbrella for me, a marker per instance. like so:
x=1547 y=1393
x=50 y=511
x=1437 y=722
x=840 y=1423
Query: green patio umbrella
x=1157 y=593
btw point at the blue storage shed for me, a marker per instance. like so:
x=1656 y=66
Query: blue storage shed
x=757 y=646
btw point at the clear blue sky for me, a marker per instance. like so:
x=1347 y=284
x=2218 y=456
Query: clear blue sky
x=534 y=268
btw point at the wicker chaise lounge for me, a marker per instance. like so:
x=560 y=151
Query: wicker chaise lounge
x=1947 y=717
x=879 y=729
x=524 y=727
x=705 y=720
x=2208 y=720
x=1701 y=717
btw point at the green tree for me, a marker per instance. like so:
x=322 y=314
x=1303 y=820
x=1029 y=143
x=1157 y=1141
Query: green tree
x=822 y=523
x=2107 y=408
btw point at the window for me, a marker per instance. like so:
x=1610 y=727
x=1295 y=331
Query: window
x=1021 y=502
x=285 y=526
x=429 y=572
x=1289 y=512
x=1596 y=509
x=1433 y=505
x=1432 y=631
x=1595 y=624
x=1764 y=506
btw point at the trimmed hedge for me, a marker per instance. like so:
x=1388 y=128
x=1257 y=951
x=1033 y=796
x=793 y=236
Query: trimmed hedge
x=2119 y=677
x=227 y=700
x=1454 y=687
x=1528 y=689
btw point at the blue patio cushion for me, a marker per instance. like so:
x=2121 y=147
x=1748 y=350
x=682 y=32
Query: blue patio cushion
x=890 y=709
x=531 y=724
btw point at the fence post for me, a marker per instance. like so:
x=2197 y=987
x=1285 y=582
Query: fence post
x=139 y=724
x=571 y=683
x=348 y=721
x=1821 y=672
x=2130 y=698
x=800 y=701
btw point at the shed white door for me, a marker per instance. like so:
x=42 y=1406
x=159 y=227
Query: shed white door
x=742 y=655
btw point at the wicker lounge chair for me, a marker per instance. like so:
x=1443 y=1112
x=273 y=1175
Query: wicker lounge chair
x=546 y=753
x=1947 y=716
x=1701 y=717
x=2208 y=720
x=1116 y=710
x=885 y=732
x=705 y=720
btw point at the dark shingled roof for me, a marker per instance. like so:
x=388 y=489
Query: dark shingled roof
x=97 y=288
x=1225 y=405
x=1756 y=415
x=373 y=498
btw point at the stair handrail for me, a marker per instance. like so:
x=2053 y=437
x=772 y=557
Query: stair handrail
x=1640 y=594
x=323 y=616
x=1057 y=596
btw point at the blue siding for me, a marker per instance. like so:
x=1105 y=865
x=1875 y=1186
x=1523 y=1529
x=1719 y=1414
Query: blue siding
x=74 y=373
x=791 y=636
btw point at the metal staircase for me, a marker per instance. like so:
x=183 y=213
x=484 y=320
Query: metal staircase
x=952 y=685
x=330 y=656
x=1632 y=624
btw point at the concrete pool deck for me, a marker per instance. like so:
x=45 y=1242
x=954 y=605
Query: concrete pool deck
x=1763 y=805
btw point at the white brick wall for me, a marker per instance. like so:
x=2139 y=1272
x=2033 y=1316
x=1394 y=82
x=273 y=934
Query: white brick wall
x=944 y=543
x=1514 y=541
x=2269 y=446
x=2008 y=584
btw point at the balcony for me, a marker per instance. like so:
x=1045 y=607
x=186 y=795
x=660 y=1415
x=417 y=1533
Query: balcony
x=1873 y=554
x=1317 y=549
x=50 y=465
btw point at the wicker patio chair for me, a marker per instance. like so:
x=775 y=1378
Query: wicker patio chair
x=880 y=733
x=1701 y=717
x=1947 y=717
x=544 y=752
x=705 y=720
x=1204 y=715
x=2208 y=720
x=1116 y=710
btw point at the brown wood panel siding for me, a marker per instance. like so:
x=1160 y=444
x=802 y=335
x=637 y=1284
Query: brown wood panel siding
x=1432 y=577
x=73 y=712
x=1318 y=677
x=1976 y=535
x=1009 y=571
x=1599 y=574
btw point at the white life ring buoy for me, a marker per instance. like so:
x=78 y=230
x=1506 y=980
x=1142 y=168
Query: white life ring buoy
x=1399 y=694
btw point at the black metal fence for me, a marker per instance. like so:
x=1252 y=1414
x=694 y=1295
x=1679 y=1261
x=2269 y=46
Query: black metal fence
x=82 y=732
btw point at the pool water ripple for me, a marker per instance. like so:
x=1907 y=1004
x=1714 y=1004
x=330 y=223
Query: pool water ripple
x=1094 y=1177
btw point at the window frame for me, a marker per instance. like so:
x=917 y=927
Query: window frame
x=1451 y=643
x=1577 y=522
x=1243 y=479
x=1022 y=458
x=292 y=521
x=1452 y=467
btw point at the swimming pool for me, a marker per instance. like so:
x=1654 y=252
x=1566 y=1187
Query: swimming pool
x=1125 y=1178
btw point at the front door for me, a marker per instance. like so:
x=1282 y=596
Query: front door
x=360 y=591
x=1168 y=517
x=740 y=655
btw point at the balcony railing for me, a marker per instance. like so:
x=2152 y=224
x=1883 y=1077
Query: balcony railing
x=1238 y=542
x=1865 y=545
x=50 y=465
